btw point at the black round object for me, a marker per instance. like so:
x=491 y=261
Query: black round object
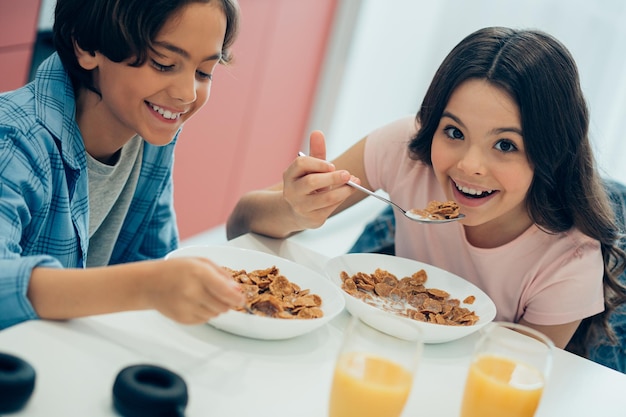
x=149 y=391
x=17 y=382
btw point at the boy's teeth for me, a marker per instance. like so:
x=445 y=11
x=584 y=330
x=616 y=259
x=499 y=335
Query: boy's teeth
x=165 y=113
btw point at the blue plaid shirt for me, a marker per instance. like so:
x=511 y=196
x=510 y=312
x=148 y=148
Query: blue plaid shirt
x=44 y=201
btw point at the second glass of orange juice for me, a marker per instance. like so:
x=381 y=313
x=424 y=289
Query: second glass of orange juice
x=374 y=370
x=509 y=369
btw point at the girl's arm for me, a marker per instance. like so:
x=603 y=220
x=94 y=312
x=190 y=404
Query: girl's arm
x=559 y=334
x=311 y=191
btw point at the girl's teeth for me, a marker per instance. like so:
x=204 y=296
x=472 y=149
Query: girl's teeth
x=472 y=191
x=165 y=113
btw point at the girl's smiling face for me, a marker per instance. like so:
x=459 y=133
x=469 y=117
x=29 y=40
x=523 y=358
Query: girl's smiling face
x=154 y=99
x=479 y=159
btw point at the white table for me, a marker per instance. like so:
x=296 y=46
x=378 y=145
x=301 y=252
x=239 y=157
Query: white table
x=77 y=361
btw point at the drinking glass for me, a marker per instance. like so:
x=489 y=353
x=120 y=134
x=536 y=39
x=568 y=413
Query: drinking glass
x=374 y=371
x=510 y=366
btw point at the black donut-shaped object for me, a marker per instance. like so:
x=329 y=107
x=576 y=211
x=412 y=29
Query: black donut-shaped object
x=149 y=391
x=17 y=382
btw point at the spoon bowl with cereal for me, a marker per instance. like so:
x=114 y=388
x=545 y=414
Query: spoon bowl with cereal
x=436 y=211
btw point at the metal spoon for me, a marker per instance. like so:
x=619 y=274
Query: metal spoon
x=408 y=213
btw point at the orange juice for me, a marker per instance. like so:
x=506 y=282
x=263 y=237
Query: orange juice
x=499 y=387
x=368 y=386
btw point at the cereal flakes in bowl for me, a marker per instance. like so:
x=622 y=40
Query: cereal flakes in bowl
x=380 y=288
x=284 y=299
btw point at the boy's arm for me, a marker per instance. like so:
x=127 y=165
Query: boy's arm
x=188 y=290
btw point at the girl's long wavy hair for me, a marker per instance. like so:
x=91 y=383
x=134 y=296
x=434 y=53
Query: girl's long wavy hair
x=540 y=75
x=122 y=30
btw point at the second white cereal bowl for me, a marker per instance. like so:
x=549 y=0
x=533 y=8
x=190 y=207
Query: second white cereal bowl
x=267 y=328
x=383 y=320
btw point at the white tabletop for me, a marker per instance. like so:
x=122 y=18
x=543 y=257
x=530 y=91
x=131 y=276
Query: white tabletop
x=77 y=361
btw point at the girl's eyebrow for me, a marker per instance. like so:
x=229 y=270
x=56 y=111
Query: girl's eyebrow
x=495 y=131
x=180 y=51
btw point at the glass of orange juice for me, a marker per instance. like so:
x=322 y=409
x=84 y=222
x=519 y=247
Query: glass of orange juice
x=509 y=368
x=374 y=370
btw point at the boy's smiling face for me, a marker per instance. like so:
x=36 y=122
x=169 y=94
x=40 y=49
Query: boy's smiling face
x=152 y=100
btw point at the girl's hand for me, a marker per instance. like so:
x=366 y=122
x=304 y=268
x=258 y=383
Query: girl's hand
x=312 y=187
x=191 y=290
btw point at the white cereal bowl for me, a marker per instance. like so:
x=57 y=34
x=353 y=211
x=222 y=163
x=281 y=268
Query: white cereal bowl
x=386 y=321
x=267 y=328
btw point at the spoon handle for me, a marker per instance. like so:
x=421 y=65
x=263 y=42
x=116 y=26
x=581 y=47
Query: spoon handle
x=373 y=194
x=366 y=191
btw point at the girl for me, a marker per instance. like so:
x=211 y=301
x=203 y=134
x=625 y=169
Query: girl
x=502 y=131
x=86 y=153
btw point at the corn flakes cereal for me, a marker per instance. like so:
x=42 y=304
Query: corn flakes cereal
x=408 y=297
x=270 y=294
x=437 y=210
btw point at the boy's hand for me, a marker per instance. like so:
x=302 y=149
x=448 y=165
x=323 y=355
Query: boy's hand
x=192 y=290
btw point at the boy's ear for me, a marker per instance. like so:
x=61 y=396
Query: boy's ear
x=86 y=59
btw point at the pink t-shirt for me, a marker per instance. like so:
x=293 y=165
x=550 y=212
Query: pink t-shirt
x=548 y=279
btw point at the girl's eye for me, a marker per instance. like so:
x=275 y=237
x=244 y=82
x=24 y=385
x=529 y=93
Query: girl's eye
x=453 y=132
x=161 y=67
x=204 y=76
x=506 y=146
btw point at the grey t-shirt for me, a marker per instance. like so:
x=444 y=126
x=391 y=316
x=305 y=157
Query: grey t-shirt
x=111 y=189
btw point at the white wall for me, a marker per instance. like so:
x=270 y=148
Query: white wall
x=46 y=14
x=396 y=46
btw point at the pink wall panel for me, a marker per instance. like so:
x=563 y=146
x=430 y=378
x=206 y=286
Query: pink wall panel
x=18 y=29
x=292 y=62
x=255 y=120
x=14 y=67
x=18 y=22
